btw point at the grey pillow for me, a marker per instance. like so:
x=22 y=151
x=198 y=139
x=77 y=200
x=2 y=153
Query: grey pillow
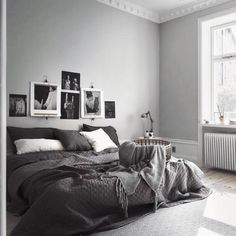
x=30 y=133
x=72 y=140
x=10 y=147
x=15 y=133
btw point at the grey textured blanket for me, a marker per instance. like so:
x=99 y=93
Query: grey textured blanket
x=64 y=193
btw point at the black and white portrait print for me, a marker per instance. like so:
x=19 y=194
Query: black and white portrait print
x=110 y=111
x=69 y=105
x=70 y=81
x=45 y=97
x=17 y=105
x=92 y=105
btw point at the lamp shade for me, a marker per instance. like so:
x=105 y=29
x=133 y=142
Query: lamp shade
x=144 y=115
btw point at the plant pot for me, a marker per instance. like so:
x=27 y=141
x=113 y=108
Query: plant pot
x=221 y=118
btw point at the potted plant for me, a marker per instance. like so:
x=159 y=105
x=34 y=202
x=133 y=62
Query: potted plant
x=221 y=114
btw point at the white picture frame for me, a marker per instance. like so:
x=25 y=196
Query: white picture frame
x=45 y=99
x=92 y=103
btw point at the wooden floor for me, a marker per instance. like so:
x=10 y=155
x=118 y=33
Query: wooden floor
x=220 y=177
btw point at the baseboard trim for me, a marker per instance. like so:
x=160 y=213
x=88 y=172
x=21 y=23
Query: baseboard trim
x=182 y=141
x=186 y=149
x=193 y=159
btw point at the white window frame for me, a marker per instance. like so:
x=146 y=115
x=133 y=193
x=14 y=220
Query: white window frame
x=204 y=58
x=218 y=58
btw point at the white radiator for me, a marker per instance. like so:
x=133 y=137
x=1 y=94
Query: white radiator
x=220 y=151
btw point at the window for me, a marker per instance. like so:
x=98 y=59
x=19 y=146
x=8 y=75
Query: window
x=217 y=67
x=223 y=76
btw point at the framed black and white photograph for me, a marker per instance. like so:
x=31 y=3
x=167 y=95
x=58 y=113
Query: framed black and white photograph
x=17 y=105
x=110 y=110
x=70 y=105
x=70 y=81
x=45 y=99
x=92 y=104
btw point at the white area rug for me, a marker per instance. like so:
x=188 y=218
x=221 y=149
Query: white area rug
x=214 y=216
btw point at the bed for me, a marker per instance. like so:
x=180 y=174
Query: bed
x=76 y=192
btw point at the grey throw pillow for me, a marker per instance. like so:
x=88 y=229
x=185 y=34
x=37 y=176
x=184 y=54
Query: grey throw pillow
x=29 y=133
x=10 y=147
x=15 y=133
x=72 y=140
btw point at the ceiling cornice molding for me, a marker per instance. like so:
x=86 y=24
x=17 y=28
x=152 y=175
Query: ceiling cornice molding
x=189 y=9
x=132 y=9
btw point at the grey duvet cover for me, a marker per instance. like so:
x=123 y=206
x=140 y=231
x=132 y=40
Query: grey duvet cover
x=72 y=193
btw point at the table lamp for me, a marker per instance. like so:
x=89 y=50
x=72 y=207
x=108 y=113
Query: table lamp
x=149 y=133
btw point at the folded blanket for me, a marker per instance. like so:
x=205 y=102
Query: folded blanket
x=146 y=162
x=172 y=182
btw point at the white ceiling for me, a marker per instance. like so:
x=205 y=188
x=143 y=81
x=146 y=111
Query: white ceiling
x=161 y=6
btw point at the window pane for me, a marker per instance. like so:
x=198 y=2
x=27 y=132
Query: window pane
x=218 y=42
x=225 y=86
x=224 y=41
x=229 y=40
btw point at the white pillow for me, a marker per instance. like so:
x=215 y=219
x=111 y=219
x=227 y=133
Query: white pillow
x=37 y=145
x=99 y=140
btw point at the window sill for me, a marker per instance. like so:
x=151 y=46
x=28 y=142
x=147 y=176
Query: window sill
x=219 y=125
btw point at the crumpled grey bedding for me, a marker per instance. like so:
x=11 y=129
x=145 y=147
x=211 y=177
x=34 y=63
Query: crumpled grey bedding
x=68 y=193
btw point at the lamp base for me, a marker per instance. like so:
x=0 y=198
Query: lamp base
x=148 y=135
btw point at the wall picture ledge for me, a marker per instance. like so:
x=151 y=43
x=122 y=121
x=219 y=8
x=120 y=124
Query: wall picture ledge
x=45 y=99
x=92 y=104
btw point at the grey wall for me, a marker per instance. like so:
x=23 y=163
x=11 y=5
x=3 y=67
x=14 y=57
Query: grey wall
x=119 y=52
x=179 y=75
